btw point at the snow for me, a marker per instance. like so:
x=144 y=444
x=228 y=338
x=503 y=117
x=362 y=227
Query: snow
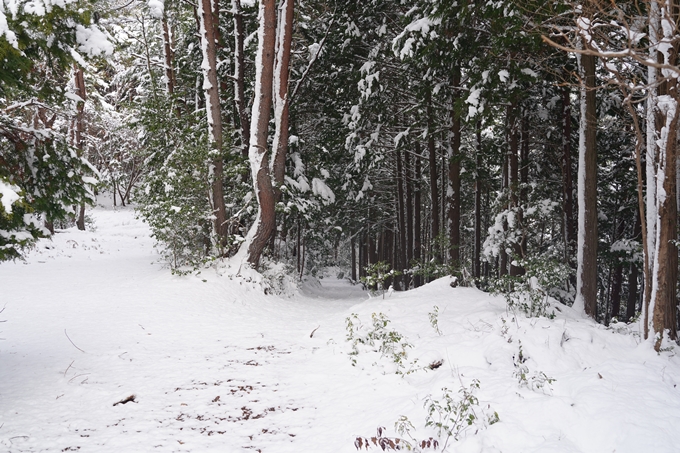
x=503 y=75
x=4 y=30
x=8 y=196
x=156 y=8
x=216 y=365
x=320 y=188
x=93 y=41
x=579 y=302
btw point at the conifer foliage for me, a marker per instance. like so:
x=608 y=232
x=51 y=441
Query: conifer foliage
x=526 y=148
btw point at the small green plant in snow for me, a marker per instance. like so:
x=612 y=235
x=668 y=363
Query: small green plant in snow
x=452 y=415
x=389 y=343
x=434 y=319
x=536 y=381
x=377 y=275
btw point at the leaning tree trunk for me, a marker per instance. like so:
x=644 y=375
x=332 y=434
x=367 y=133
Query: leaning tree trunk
x=208 y=36
x=586 y=273
x=259 y=233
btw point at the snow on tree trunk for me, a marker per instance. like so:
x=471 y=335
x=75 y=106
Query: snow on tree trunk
x=663 y=306
x=208 y=36
x=650 y=169
x=168 y=55
x=260 y=231
x=586 y=271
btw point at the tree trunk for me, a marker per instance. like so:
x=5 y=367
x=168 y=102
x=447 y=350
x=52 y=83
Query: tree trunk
x=168 y=55
x=617 y=283
x=666 y=263
x=208 y=35
x=454 y=180
x=408 y=177
x=524 y=182
x=80 y=130
x=649 y=223
x=281 y=104
x=417 y=206
x=354 y=259
x=567 y=186
x=265 y=221
x=478 y=205
x=239 y=82
x=513 y=160
x=372 y=249
x=434 y=192
x=401 y=217
x=632 y=301
x=586 y=274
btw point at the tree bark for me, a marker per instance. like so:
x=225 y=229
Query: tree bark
x=239 y=82
x=567 y=185
x=417 y=206
x=281 y=101
x=168 y=55
x=208 y=35
x=408 y=179
x=434 y=192
x=524 y=181
x=261 y=230
x=401 y=217
x=454 y=179
x=80 y=130
x=666 y=264
x=513 y=160
x=586 y=274
x=354 y=259
x=478 y=205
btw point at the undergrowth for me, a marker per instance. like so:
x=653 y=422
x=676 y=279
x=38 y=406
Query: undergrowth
x=390 y=343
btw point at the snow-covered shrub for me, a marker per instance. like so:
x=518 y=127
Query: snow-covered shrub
x=377 y=276
x=531 y=291
x=41 y=179
x=175 y=195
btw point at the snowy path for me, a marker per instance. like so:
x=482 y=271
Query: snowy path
x=211 y=368
x=217 y=366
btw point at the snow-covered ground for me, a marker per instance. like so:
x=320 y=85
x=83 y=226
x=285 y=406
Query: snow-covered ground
x=214 y=364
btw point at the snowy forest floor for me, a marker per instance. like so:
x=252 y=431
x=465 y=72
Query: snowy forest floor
x=214 y=364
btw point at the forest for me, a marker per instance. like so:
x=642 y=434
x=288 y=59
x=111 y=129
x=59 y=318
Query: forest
x=527 y=148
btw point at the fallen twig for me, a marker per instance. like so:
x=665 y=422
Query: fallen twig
x=77 y=375
x=69 y=367
x=74 y=345
x=312 y=334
